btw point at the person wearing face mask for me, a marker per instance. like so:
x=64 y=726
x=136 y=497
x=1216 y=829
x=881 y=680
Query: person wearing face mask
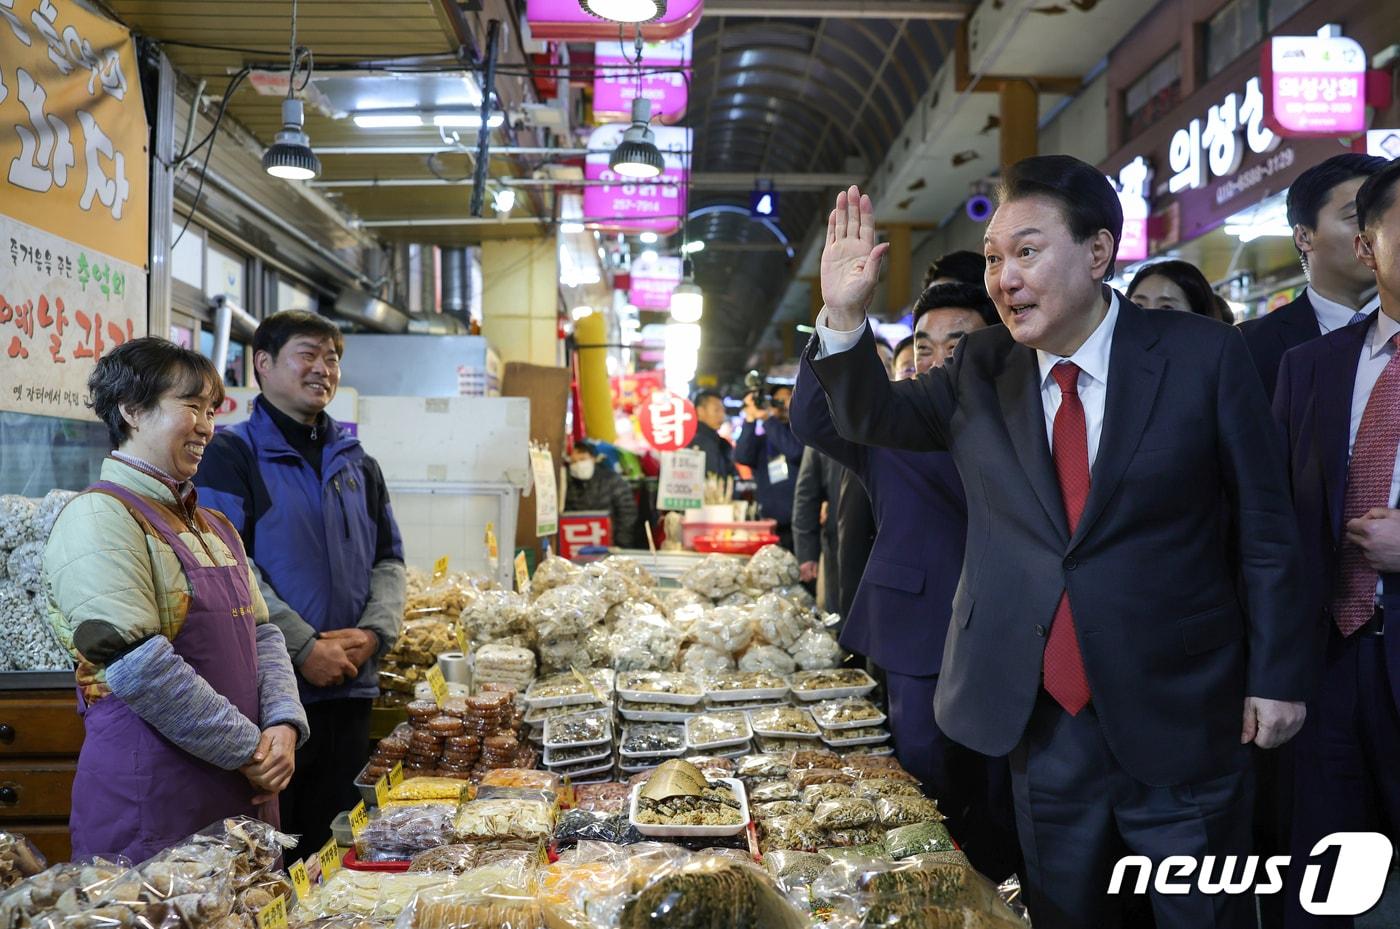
x=188 y=698
x=1341 y=290
x=900 y=612
x=593 y=485
x=1117 y=632
x=314 y=515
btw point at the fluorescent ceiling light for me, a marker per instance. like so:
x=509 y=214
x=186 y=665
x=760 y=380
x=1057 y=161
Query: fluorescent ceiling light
x=571 y=227
x=687 y=302
x=468 y=120
x=648 y=238
x=505 y=200
x=388 y=120
x=690 y=248
x=625 y=11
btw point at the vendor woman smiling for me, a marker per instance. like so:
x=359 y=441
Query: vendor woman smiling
x=187 y=694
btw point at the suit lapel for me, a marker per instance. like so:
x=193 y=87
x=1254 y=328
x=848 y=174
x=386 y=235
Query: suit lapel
x=1133 y=378
x=1300 y=322
x=1018 y=390
x=1336 y=380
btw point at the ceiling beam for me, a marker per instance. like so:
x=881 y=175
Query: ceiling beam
x=846 y=9
x=704 y=180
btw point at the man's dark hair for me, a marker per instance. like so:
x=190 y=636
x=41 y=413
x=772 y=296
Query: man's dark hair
x=280 y=328
x=882 y=342
x=1085 y=197
x=704 y=395
x=1377 y=194
x=1189 y=278
x=965 y=266
x=139 y=373
x=957 y=297
x=1308 y=194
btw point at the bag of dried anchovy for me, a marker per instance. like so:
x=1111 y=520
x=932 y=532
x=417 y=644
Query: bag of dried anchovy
x=792 y=869
x=817 y=794
x=917 y=839
x=906 y=811
x=710 y=891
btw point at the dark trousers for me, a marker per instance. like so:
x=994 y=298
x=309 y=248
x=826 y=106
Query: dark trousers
x=1078 y=812
x=324 y=782
x=972 y=790
x=1348 y=762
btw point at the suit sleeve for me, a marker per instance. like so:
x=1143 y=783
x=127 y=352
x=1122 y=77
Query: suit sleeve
x=811 y=421
x=782 y=440
x=870 y=409
x=1285 y=636
x=806 y=508
x=855 y=536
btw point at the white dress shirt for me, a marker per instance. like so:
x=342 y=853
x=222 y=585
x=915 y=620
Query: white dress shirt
x=1376 y=353
x=1333 y=315
x=1092 y=358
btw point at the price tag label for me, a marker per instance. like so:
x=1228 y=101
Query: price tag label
x=438 y=684
x=522 y=573
x=396 y=774
x=491 y=549
x=300 y=879
x=329 y=856
x=440 y=567
x=359 y=819
x=381 y=791
x=274 y=915
x=462 y=643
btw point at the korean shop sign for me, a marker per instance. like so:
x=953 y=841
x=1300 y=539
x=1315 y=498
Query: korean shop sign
x=566 y=20
x=1315 y=85
x=73 y=158
x=73 y=202
x=620 y=204
x=664 y=79
x=1215 y=147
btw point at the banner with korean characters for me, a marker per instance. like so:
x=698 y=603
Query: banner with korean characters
x=62 y=306
x=74 y=202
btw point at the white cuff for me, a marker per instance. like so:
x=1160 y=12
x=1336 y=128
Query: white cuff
x=835 y=341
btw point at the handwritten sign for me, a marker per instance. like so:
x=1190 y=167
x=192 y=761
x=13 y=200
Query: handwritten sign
x=301 y=880
x=682 y=483
x=396 y=774
x=359 y=819
x=492 y=550
x=329 y=856
x=381 y=791
x=274 y=915
x=438 y=683
x=546 y=491
x=440 y=567
x=522 y=573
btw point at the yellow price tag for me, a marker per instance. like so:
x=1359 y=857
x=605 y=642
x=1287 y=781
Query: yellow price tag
x=381 y=791
x=440 y=567
x=396 y=774
x=491 y=548
x=300 y=880
x=359 y=819
x=462 y=644
x=329 y=856
x=522 y=572
x=274 y=915
x=438 y=684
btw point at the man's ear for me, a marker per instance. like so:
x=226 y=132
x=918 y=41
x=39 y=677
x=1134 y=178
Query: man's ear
x=1364 y=252
x=1101 y=250
x=1302 y=238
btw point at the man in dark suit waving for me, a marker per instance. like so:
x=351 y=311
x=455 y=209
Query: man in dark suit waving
x=1097 y=634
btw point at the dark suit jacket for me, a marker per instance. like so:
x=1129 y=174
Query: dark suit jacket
x=1169 y=649
x=1269 y=336
x=1313 y=405
x=719 y=454
x=855 y=536
x=899 y=617
x=756 y=451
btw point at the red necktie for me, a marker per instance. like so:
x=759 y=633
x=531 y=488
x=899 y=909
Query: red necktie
x=1063 y=667
x=1368 y=486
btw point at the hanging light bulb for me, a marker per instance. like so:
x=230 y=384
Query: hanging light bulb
x=290 y=155
x=637 y=156
x=687 y=300
x=625 y=11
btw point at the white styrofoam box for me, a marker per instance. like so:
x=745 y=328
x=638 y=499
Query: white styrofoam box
x=449 y=439
x=449 y=520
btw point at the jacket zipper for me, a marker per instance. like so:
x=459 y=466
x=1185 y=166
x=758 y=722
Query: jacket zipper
x=344 y=517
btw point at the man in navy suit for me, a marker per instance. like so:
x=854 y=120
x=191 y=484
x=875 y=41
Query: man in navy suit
x=1322 y=212
x=1339 y=401
x=1103 y=634
x=899 y=615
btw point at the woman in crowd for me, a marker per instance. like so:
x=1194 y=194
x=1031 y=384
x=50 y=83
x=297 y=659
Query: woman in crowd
x=188 y=697
x=1176 y=285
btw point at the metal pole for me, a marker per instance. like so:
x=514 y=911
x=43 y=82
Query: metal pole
x=483 y=141
x=162 y=203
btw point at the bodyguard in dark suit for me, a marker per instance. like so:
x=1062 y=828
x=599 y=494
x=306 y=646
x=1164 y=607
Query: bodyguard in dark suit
x=1097 y=632
x=1322 y=212
x=1339 y=401
x=719 y=454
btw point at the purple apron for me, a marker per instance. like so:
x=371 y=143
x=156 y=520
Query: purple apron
x=136 y=793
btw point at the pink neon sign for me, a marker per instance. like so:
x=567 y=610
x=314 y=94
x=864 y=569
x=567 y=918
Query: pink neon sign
x=566 y=20
x=615 y=84
x=653 y=279
x=1316 y=85
x=626 y=205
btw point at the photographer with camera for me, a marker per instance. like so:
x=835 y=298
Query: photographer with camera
x=775 y=454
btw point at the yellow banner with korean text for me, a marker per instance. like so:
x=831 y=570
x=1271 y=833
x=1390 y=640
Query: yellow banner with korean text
x=74 y=202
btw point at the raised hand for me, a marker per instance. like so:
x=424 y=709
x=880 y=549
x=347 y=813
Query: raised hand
x=851 y=260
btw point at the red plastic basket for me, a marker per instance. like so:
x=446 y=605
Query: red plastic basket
x=353 y=863
x=743 y=545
